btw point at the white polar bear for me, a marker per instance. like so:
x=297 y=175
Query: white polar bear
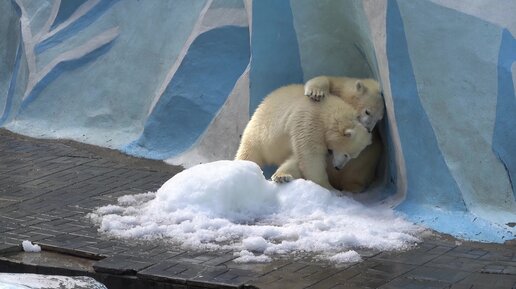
x=296 y=134
x=365 y=96
x=359 y=173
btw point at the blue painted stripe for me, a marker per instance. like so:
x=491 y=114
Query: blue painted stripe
x=66 y=9
x=433 y=198
x=12 y=85
x=16 y=8
x=61 y=68
x=74 y=28
x=429 y=180
x=460 y=224
x=504 y=137
x=201 y=85
x=276 y=60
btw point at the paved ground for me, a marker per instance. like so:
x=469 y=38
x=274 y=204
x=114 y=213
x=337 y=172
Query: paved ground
x=47 y=188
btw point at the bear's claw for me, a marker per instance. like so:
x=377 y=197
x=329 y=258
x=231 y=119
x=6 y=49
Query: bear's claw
x=282 y=178
x=315 y=94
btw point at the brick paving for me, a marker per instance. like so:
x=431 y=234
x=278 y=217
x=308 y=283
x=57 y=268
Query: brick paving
x=47 y=187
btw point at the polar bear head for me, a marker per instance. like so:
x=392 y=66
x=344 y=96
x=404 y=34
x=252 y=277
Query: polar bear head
x=365 y=96
x=367 y=99
x=345 y=140
x=369 y=104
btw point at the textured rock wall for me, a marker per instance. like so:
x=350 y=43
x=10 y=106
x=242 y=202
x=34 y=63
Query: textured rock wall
x=177 y=80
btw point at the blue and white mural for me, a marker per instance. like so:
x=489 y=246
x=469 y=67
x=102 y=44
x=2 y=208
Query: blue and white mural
x=178 y=80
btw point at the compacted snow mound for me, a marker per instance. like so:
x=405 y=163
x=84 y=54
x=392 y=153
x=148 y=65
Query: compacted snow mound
x=230 y=205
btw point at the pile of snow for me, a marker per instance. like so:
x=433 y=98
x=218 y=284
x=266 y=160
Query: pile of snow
x=35 y=281
x=230 y=205
x=29 y=247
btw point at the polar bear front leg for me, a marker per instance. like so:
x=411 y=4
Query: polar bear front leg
x=316 y=88
x=313 y=168
x=288 y=171
x=250 y=152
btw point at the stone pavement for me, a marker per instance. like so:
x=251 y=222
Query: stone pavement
x=47 y=188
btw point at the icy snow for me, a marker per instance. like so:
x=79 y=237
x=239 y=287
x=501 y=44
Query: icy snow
x=29 y=247
x=245 y=256
x=350 y=256
x=229 y=205
x=257 y=244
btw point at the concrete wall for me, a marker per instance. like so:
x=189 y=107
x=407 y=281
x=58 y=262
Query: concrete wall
x=178 y=80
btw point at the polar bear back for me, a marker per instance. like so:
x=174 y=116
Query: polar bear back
x=286 y=114
x=271 y=126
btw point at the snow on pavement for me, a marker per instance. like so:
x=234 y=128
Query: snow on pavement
x=229 y=205
x=30 y=248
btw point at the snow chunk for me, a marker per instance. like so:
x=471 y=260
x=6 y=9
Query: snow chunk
x=256 y=244
x=346 y=257
x=29 y=247
x=248 y=257
x=229 y=205
x=130 y=200
x=110 y=209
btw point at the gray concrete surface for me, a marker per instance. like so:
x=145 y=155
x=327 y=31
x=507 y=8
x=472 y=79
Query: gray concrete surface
x=48 y=187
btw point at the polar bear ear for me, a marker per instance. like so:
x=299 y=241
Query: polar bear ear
x=349 y=132
x=361 y=88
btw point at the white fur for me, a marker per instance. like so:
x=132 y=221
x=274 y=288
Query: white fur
x=295 y=133
x=364 y=95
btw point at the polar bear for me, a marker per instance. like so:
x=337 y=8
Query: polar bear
x=296 y=134
x=362 y=94
x=359 y=173
x=365 y=96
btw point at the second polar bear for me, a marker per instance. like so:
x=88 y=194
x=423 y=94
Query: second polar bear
x=362 y=94
x=296 y=134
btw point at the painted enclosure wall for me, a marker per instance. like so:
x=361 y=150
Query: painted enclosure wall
x=178 y=81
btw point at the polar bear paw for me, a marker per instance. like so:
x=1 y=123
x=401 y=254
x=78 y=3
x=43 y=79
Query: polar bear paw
x=315 y=93
x=282 y=178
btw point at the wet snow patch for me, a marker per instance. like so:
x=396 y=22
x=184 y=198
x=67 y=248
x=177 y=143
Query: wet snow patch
x=30 y=248
x=229 y=205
